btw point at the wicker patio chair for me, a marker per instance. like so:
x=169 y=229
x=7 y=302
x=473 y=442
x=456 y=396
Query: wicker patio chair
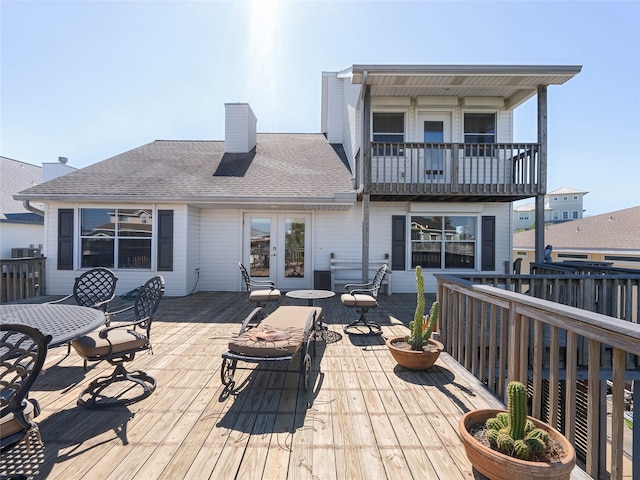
x=118 y=345
x=23 y=351
x=364 y=296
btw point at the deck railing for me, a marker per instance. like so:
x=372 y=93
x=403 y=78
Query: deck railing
x=500 y=335
x=455 y=168
x=22 y=278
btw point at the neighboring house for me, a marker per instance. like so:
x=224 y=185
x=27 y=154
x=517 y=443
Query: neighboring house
x=565 y=204
x=415 y=163
x=21 y=229
x=561 y=205
x=611 y=237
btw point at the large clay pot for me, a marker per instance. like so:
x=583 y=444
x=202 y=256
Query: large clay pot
x=414 y=359
x=499 y=466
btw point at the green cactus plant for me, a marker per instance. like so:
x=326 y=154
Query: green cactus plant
x=512 y=433
x=419 y=333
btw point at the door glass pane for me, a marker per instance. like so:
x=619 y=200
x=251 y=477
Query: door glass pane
x=434 y=157
x=260 y=247
x=294 y=247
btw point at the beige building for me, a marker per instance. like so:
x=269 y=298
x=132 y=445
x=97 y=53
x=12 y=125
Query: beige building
x=611 y=237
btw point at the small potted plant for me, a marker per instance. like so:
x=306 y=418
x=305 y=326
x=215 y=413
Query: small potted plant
x=508 y=445
x=418 y=351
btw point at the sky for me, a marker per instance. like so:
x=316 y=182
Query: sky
x=88 y=80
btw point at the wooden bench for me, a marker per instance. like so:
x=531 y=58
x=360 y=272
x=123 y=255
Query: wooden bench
x=349 y=270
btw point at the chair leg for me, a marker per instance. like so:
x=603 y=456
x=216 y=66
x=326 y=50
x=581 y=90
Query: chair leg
x=94 y=391
x=353 y=327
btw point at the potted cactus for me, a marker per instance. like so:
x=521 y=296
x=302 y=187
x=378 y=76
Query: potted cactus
x=418 y=351
x=515 y=445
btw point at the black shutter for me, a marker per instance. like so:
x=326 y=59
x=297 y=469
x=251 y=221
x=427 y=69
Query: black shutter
x=65 y=239
x=165 y=240
x=488 y=255
x=398 y=242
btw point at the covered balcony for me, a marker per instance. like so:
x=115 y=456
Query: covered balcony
x=455 y=172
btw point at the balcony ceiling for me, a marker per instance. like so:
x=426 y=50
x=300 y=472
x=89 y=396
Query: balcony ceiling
x=515 y=84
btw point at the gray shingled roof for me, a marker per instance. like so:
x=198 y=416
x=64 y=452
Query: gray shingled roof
x=619 y=230
x=285 y=168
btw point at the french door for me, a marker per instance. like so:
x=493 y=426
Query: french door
x=277 y=247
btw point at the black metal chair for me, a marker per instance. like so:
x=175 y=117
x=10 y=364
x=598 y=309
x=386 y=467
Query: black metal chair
x=95 y=288
x=118 y=344
x=267 y=291
x=23 y=351
x=364 y=296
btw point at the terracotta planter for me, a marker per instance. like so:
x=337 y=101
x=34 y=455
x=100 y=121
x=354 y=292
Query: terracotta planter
x=414 y=359
x=499 y=466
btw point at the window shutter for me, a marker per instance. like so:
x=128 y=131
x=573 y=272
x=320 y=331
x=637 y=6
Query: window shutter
x=65 y=239
x=488 y=255
x=165 y=240
x=398 y=242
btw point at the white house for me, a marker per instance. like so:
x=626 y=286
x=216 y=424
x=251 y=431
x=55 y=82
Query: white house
x=22 y=229
x=413 y=163
x=561 y=205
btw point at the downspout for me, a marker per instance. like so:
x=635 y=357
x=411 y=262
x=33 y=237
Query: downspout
x=31 y=208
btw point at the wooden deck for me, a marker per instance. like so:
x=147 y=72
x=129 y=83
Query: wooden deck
x=365 y=418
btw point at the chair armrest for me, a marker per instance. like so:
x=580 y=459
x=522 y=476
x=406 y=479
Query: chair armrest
x=104 y=333
x=265 y=283
x=364 y=291
x=103 y=305
x=117 y=312
x=349 y=286
x=60 y=299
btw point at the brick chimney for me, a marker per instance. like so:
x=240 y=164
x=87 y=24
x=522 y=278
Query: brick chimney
x=240 y=128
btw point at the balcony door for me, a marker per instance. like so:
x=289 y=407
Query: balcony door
x=277 y=247
x=435 y=160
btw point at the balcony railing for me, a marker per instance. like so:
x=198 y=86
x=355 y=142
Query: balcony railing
x=568 y=356
x=22 y=278
x=510 y=170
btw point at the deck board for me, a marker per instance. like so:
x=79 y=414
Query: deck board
x=363 y=418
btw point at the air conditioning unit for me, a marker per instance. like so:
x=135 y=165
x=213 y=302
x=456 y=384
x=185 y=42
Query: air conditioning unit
x=26 y=252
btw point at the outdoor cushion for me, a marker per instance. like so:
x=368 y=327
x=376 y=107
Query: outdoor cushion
x=279 y=334
x=9 y=425
x=358 y=300
x=91 y=345
x=264 y=295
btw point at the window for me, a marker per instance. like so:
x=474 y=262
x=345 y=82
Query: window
x=443 y=242
x=555 y=199
x=388 y=128
x=556 y=216
x=479 y=128
x=575 y=214
x=575 y=197
x=106 y=242
x=565 y=215
x=564 y=199
x=523 y=216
